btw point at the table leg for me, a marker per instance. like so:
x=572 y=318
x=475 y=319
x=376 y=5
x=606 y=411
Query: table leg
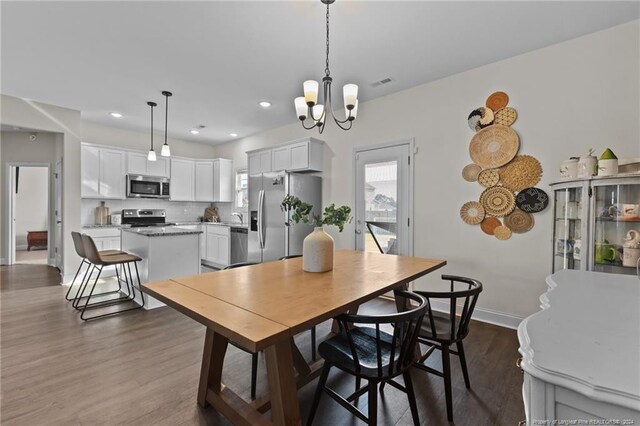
x=335 y=328
x=285 y=409
x=215 y=346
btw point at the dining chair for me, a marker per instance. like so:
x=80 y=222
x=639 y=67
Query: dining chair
x=441 y=330
x=79 y=247
x=367 y=352
x=100 y=261
x=313 y=329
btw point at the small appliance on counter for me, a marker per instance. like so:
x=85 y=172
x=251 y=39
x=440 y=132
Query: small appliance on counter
x=142 y=218
x=116 y=219
x=147 y=187
x=102 y=214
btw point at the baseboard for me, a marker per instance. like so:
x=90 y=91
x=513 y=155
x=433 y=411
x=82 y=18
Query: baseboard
x=22 y=247
x=490 y=316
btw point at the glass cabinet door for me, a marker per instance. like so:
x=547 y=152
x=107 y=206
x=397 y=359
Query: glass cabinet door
x=567 y=231
x=617 y=227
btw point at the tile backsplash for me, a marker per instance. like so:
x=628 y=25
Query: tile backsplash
x=176 y=211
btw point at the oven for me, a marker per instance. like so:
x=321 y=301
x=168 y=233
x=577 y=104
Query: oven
x=147 y=187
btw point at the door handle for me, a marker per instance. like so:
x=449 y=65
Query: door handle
x=260 y=218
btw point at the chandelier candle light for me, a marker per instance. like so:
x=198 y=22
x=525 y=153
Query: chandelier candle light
x=152 y=153
x=308 y=106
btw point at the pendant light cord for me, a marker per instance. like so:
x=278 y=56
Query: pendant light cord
x=326 y=70
x=151 y=127
x=166 y=117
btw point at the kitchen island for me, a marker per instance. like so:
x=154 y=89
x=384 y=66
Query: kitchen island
x=166 y=252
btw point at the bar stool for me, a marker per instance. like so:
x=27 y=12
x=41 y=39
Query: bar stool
x=78 y=245
x=100 y=261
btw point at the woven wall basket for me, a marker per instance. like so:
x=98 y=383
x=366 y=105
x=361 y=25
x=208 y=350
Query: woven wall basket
x=470 y=172
x=505 y=116
x=497 y=201
x=494 y=146
x=502 y=233
x=523 y=171
x=480 y=118
x=489 y=224
x=472 y=212
x=489 y=178
x=497 y=100
x=518 y=221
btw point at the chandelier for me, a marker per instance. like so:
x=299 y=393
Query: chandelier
x=307 y=106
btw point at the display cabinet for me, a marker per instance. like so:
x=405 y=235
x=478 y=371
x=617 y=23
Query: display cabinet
x=597 y=224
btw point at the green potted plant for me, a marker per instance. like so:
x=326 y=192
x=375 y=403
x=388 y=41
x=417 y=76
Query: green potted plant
x=318 y=246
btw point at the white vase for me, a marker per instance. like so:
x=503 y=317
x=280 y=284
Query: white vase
x=587 y=166
x=317 y=251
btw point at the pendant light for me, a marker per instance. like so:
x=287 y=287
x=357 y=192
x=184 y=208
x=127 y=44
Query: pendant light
x=152 y=153
x=166 y=151
x=309 y=105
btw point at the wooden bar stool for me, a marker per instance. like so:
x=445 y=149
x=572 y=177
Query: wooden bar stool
x=79 y=246
x=100 y=261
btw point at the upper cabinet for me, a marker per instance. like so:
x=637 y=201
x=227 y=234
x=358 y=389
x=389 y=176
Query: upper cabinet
x=137 y=164
x=103 y=172
x=204 y=181
x=223 y=181
x=182 y=179
x=304 y=155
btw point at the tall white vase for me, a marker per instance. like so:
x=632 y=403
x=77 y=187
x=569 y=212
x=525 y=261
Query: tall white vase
x=317 y=251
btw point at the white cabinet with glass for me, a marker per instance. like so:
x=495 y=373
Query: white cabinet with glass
x=597 y=224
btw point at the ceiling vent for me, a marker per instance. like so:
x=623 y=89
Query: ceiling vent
x=381 y=82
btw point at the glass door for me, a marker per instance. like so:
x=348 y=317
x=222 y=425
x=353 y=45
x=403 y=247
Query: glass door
x=568 y=232
x=616 y=229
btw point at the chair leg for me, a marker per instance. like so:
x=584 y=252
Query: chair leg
x=135 y=265
x=316 y=398
x=408 y=384
x=254 y=374
x=83 y=286
x=86 y=303
x=313 y=342
x=358 y=383
x=446 y=371
x=66 y=296
x=373 y=403
x=463 y=364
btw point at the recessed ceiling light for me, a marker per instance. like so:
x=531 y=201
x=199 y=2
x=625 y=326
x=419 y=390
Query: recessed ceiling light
x=115 y=114
x=194 y=131
x=264 y=104
x=233 y=135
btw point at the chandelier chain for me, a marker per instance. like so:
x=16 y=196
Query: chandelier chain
x=326 y=70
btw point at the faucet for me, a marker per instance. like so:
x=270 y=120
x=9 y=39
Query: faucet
x=239 y=216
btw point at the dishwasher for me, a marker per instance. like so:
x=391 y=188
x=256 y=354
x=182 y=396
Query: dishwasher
x=238 y=245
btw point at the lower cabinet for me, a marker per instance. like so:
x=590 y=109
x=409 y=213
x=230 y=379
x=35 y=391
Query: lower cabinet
x=217 y=245
x=105 y=239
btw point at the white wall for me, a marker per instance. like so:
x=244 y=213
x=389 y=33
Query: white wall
x=31 y=203
x=576 y=95
x=15 y=147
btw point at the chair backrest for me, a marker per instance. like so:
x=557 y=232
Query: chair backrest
x=90 y=250
x=293 y=256
x=406 y=327
x=239 y=265
x=467 y=297
x=78 y=244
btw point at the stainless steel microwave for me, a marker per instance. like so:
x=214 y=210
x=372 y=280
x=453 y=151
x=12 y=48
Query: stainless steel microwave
x=147 y=187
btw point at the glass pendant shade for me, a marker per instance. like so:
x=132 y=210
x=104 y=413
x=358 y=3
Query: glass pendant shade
x=152 y=155
x=310 y=92
x=301 y=107
x=350 y=93
x=166 y=151
x=318 y=114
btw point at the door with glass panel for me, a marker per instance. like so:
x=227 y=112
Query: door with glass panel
x=383 y=200
x=570 y=242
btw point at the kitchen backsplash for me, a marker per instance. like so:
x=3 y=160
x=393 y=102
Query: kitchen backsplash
x=176 y=211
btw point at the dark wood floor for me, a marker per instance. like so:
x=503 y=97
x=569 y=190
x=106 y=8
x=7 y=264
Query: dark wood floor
x=142 y=367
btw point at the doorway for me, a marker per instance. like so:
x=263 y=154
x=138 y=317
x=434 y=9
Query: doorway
x=384 y=198
x=29 y=230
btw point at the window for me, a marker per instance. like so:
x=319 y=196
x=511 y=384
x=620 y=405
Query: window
x=242 y=189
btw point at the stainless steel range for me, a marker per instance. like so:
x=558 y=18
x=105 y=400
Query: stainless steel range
x=145 y=217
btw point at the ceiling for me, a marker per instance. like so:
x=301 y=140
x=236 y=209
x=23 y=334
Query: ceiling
x=221 y=58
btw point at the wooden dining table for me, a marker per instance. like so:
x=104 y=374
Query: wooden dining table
x=261 y=307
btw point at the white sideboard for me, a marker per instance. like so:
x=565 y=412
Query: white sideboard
x=581 y=353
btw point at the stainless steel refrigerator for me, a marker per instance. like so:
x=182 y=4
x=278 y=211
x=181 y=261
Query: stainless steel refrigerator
x=269 y=237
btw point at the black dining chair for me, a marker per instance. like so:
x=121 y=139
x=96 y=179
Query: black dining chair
x=313 y=329
x=441 y=330
x=367 y=352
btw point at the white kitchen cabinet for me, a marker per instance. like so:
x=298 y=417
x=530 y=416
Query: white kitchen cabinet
x=182 y=179
x=137 y=164
x=223 y=181
x=103 y=173
x=204 y=181
x=303 y=155
x=90 y=167
x=218 y=248
x=281 y=158
x=260 y=162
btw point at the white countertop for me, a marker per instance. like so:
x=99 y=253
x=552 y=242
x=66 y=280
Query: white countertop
x=587 y=337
